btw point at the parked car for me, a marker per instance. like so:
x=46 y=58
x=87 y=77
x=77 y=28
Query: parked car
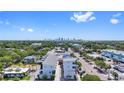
x=81 y=71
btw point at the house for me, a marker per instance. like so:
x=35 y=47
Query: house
x=49 y=65
x=29 y=59
x=69 y=67
x=15 y=72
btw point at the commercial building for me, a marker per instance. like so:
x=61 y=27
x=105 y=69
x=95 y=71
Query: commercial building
x=114 y=54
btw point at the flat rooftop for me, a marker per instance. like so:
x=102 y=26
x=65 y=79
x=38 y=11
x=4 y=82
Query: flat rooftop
x=15 y=70
x=51 y=59
x=114 y=51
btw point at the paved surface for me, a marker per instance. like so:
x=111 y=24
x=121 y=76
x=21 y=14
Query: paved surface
x=89 y=69
x=58 y=73
x=78 y=77
x=34 y=74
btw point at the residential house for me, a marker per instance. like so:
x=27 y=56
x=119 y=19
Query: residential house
x=29 y=59
x=15 y=72
x=49 y=65
x=69 y=67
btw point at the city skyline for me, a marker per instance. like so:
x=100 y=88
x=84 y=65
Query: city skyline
x=39 y=25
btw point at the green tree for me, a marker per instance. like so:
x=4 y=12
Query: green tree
x=102 y=64
x=78 y=63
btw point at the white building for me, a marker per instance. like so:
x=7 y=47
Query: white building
x=49 y=65
x=69 y=67
x=95 y=55
x=15 y=72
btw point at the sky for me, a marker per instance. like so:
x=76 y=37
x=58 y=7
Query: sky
x=38 y=25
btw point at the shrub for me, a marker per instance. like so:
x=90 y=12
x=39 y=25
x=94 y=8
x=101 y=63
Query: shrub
x=16 y=79
x=52 y=77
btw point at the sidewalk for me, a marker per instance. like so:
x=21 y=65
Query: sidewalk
x=58 y=73
x=78 y=77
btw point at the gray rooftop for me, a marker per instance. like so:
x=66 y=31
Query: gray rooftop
x=51 y=59
x=69 y=59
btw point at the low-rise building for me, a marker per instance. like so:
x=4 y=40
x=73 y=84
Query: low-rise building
x=114 y=54
x=29 y=59
x=15 y=72
x=69 y=67
x=118 y=70
x=49 y=65
x=95 y=55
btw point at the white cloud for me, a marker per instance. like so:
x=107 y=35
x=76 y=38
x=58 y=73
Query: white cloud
x=80 y=17
x=30 y=30
x=22 y=29
x=92 y=18
x=7 y=23
x=26 y=29
x=117 y=15
x=114 y=21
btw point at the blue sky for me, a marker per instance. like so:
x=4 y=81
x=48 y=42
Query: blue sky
x=86 y=25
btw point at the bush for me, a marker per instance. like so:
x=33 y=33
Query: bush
x=44 y=77
x=52 y=77
x=79 y=64
x=26 y=78
x=89 y=77
x=16 y=79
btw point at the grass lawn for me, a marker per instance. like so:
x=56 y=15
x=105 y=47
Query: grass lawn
x=26 y=78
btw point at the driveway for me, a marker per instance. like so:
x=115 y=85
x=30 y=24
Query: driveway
x=34 y=74
x=58 y=73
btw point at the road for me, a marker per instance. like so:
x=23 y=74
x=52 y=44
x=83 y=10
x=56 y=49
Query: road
x=89 y=69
